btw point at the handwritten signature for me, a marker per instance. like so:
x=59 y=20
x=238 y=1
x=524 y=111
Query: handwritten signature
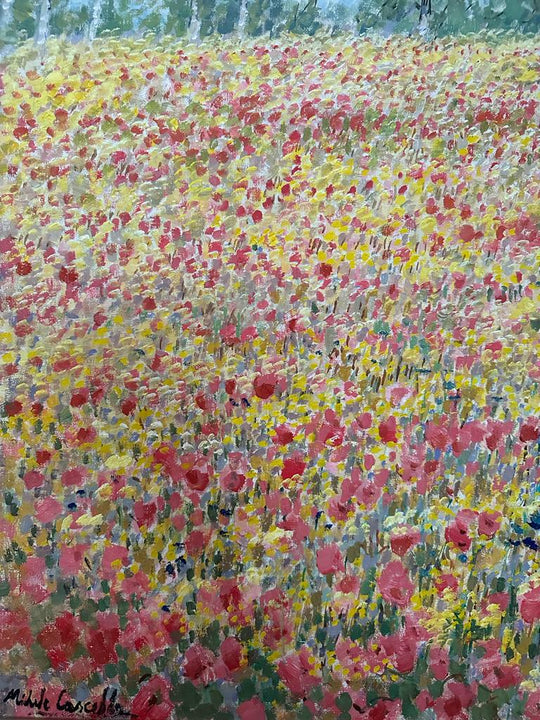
x=45 y=704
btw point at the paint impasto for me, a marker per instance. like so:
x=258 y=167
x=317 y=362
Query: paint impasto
x=269 y=402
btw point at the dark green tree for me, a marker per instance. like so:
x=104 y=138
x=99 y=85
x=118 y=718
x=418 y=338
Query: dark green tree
x=265 y=16
x=399 y=15
x=178 y=17
x=304 y=18
x=67 y=21
x=275 y=22
x=116 y=17
x=150 y=18
x=21 y=23
x=206 y=15
x=366 y=18
x=226 y=16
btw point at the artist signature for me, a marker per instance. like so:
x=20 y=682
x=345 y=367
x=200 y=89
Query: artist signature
x=48 y=703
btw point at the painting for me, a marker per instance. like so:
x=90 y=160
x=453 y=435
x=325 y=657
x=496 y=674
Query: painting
x=270 y=377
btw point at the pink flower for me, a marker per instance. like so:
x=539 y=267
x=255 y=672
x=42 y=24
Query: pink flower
x=488 y=523
x=395 y=584
x=33 y=479
x=329 y=559
x=349 y=654
x=252 y=710
x=298 y=673
x=48 y=509
x=232 y=481
x=196 y=542
x=402 y=648
x=457 y=534
x=453 y=703
x=439 y=662
x=72 y=557
x=532 y=708
x=424 y=700
x=436 y=435
x=113 y=554
x=199 y=664
x=137 y=584
x=529 y=605
x=33 y=579
x=502 y=676
x=73 y=476
x=501 y=599
x=348 y=584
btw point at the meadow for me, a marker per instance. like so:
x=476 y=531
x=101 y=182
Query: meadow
x=270 y=410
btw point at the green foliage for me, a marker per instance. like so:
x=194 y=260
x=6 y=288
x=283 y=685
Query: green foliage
x=300 y=17
x=207 y=17
x=178 y=17
x=116 y=17
x=22 y=22
x=67 y=21
x=274 y=23
x=226 y=16
x=304 y=18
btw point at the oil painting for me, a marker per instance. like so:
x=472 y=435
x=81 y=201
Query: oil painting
x=269 y=359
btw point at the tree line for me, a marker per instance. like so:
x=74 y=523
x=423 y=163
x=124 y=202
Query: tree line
x=76 y=19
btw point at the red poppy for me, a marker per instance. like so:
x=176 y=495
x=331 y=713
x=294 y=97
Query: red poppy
x=68 y=275
x=101 y=645
x=79 y=397
x=152 y=702
x=404 y=540
x=60 y=638
x=12 y=408
x=455 y=701
x=292 y=466
x=14 y=629
x=284 y=435
x=24 y=268
x=387 y=430
x=145 y=513
x=530 y=431
x=199 y=664
x=264 y=386
x=231 y=652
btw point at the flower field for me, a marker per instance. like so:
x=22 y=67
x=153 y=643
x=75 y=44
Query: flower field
x=270 y=404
